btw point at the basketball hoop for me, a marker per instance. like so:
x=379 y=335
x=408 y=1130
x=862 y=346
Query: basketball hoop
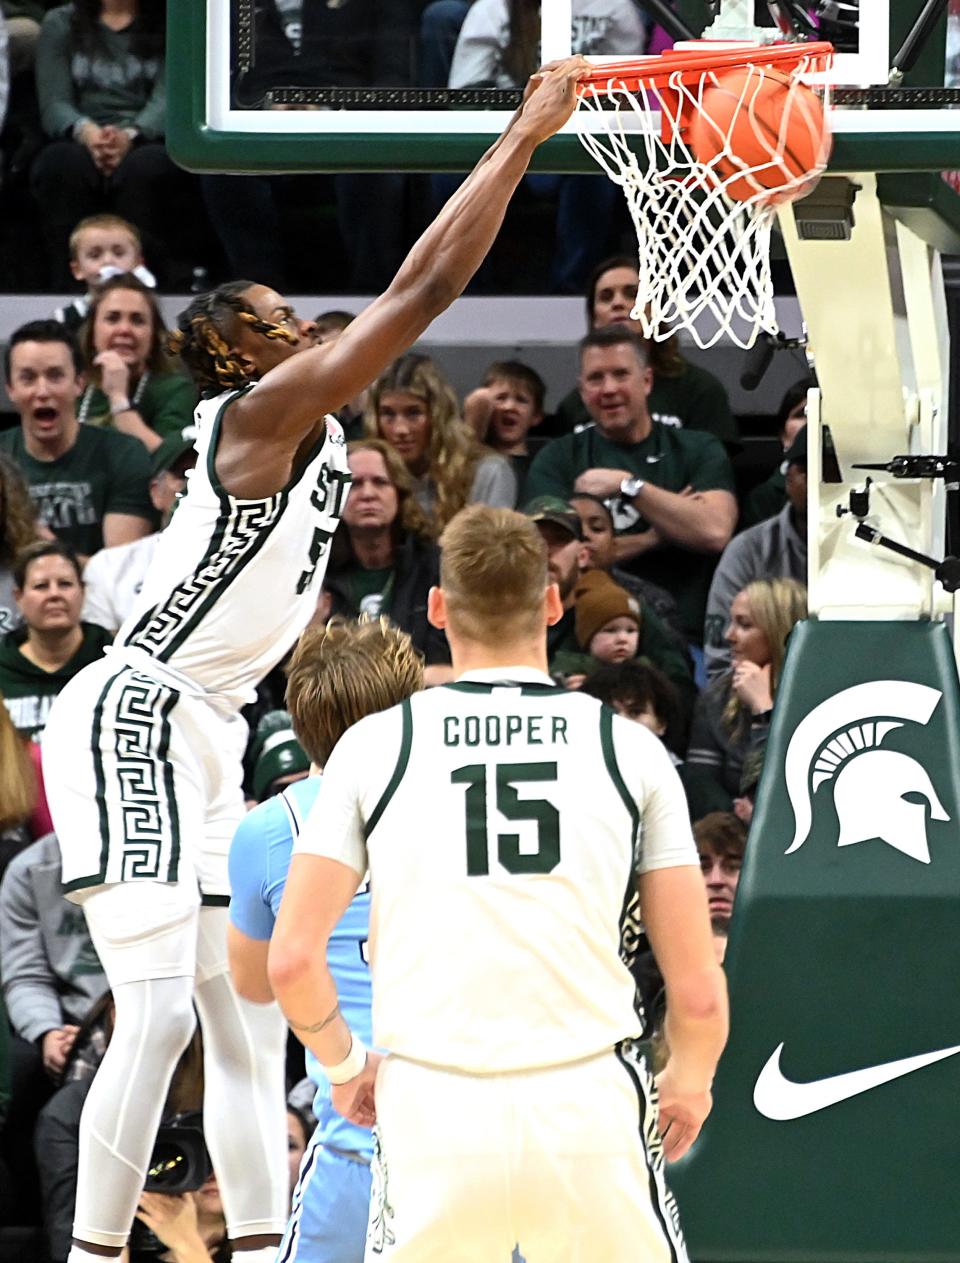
x=727 y=134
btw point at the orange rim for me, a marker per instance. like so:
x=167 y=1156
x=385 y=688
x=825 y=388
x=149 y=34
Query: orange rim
x=635 y=73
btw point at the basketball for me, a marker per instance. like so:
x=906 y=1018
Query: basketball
x=764 y=125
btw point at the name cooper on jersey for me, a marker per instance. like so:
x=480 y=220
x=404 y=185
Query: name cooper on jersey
x=504 y=730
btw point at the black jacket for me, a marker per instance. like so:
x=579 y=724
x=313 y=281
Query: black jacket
x=416 y=569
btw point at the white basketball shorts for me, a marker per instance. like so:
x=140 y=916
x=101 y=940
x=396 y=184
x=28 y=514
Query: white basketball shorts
x=144 y=782
x=565 y=1161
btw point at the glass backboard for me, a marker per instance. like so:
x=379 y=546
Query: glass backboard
x=365 y=85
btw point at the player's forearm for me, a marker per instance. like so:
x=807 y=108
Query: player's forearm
x=696 y=1028
x=456 y=243
x=307 y=994
x=685 y=519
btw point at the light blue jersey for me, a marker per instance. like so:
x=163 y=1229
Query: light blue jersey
x=329 y=1219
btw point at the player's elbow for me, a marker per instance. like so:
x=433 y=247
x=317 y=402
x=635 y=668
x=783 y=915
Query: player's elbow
x=252 y=985
x=288 y=963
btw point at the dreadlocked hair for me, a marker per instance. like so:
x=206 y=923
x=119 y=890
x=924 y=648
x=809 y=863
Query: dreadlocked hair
x=200 y=338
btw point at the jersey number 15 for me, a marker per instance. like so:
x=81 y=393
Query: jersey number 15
x=547 y=855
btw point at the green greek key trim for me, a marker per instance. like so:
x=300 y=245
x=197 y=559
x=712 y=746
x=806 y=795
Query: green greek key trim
x=403 y=758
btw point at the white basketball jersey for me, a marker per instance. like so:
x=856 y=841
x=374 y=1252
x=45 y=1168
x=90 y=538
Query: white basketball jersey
x=504 y=825
x=234 y=582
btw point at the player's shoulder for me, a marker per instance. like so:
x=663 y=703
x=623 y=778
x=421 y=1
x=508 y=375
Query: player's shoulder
x=262 y=824
x=265 y=836
x=297 y=800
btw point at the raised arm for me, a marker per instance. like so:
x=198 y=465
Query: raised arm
x=435 y=272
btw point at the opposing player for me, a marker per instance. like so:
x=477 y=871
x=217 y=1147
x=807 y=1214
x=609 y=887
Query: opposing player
x=337 y=675
x=142 y=752
x=510 y=820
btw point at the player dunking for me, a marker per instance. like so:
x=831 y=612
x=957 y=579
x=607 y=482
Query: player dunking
x=511 y=821
x=142 y=752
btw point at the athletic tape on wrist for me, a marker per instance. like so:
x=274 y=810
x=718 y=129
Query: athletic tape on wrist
x=351 y=1065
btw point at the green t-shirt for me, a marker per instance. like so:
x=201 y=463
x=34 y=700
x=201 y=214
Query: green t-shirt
x=668 y=458
x=370 y=590
x=27 y=690
x=104 y=472
x=166 y=404
x=693 y=400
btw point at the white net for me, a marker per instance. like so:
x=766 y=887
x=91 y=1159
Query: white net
x=703 y=224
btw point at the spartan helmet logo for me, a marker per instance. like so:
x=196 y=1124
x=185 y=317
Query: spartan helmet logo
x=839 y=742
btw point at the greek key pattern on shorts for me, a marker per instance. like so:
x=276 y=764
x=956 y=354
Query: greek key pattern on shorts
x=140 y=747
x=160 y=630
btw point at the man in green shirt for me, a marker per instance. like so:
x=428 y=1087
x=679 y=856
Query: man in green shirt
x=90 y=486
x=670 y=491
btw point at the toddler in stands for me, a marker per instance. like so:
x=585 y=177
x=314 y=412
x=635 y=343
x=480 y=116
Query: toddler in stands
x=102 y=246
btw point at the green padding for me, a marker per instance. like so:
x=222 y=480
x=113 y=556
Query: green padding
x=926 y=204
x=849 y=957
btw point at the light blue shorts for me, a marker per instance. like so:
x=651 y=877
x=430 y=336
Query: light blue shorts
x=331 y=1204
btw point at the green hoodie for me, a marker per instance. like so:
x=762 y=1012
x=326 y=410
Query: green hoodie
x=28 y=690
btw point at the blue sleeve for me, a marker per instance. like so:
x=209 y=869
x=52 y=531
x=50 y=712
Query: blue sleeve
x=250 y=909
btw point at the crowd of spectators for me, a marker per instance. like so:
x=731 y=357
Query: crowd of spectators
x=82 y=85
x=679 y=585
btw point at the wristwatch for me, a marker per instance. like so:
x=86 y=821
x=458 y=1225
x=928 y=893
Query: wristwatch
x=630 y=487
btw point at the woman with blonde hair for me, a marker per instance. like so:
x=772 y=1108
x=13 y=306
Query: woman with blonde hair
x=732 y=717
x=414 y=409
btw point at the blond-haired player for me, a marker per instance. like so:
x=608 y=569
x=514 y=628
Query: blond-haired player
x=513 y=822
x=337 y=675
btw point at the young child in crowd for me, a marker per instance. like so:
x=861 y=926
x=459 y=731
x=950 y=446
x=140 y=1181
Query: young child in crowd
x=608 y=619
x=102 y=246
x=504 y=409
x=607 y=623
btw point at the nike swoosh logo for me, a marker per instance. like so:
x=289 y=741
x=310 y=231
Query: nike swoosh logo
x=779 y=1098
